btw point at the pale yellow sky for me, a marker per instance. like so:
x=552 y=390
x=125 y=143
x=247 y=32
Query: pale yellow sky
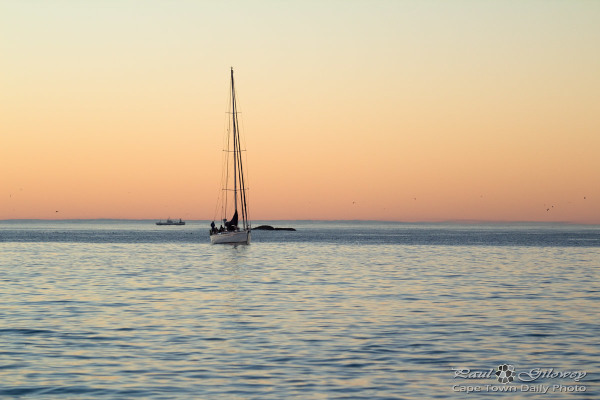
x=399 y=110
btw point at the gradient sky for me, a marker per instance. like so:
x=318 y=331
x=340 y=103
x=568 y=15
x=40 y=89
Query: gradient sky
x=391 y=110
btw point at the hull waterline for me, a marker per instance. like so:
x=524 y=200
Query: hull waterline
x=240 y=237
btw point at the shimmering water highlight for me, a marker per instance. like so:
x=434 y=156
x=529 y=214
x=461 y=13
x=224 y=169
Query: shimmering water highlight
x=121 y=309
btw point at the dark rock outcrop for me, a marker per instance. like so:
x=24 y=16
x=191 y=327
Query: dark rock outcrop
x=270 y=228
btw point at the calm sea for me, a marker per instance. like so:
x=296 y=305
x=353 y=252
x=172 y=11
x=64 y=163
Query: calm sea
x=335 y=310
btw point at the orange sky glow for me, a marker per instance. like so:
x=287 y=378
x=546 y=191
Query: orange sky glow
x=372 y=110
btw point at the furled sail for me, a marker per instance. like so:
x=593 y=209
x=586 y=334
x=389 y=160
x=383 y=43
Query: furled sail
x=234 y=220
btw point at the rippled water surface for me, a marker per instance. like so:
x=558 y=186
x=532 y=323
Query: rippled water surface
x=125 y=309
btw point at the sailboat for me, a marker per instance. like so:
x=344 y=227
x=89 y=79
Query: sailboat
x=237 y=229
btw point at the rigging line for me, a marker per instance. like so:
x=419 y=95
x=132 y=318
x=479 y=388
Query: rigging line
x=225 y=173
x=240 y=173
x=221 y=204
x=226 y=178
x=243 y=194
x=217 y=203
x=242 y=188
x=241 y=147
x=234 y=115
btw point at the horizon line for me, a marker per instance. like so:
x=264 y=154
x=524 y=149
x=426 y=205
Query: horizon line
x=450 y=221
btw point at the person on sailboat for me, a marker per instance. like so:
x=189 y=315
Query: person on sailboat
x=213 y=229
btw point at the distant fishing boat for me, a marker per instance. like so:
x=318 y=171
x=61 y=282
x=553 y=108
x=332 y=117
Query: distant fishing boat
x=233 y=184
x=170 y=221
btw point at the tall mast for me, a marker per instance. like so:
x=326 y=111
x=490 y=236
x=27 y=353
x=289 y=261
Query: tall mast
x=234 y=120
x=238 y=168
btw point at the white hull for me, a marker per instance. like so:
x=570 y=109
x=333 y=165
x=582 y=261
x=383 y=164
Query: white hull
x=240 y=237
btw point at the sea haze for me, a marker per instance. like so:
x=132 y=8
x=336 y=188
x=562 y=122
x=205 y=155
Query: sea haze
x=362 y=310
